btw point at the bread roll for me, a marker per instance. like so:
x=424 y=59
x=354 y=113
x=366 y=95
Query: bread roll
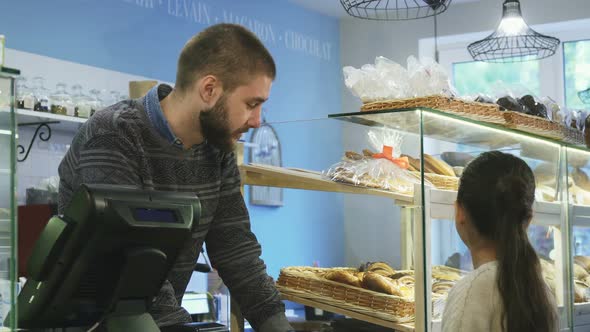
x=378 y=283
x=344 y=277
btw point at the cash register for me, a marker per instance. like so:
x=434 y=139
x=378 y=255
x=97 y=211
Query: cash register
x=101 y=264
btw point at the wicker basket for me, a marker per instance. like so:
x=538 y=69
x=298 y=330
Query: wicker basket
x=443 y=182
x=307 y=282
x=472 y=110
x=533 y=124
x=490 y=113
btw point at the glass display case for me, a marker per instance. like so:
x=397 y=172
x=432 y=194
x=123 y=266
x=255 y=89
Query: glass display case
x=8 y=274
x=406 y=220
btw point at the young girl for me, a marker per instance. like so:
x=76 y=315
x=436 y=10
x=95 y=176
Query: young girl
x=506 y=291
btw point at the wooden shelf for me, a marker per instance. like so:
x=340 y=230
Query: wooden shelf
x=272 y=176
x=352 y=314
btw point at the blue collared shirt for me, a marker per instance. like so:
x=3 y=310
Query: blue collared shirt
x=156 y=115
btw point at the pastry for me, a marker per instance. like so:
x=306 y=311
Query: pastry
x=442 y=287
x=368 y=153
x=580 y=292
x=580 y=273
x=401 y=274
x=377 y=267
x=344 y=277
x=583 y=261
x=437 y=166
x=545 y=193
x=441 y=272
x=407 y=280
x=414 y=163
x=545 y=173
x=581 y=179
x=510 y=104
x=378 y=283
x=532 y=107
x=351 y=155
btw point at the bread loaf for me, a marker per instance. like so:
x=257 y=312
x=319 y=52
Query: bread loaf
x=414 y=163
x=344 y=277
x=378 y=283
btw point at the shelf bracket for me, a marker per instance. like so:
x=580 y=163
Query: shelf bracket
x=43 y=131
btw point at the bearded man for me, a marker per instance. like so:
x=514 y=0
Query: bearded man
x=182 y=139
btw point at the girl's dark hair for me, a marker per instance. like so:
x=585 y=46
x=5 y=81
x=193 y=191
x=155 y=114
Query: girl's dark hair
x=497 y=191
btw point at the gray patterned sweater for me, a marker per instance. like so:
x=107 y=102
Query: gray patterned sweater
x=119 y=145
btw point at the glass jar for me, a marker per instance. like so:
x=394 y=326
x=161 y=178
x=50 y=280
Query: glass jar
x=25 y=99
x=82 y=102
x=115 y=97
x=61 y=101
x=96 y=102
x=41 y=95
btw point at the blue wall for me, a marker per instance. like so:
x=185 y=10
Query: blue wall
x=144 y=37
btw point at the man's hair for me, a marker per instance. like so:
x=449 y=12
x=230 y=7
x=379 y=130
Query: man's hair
x=228 y=51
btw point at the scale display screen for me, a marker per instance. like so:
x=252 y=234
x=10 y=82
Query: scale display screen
x=155 y=215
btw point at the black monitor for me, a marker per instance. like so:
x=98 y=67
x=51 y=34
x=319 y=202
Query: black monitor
x=105 y=259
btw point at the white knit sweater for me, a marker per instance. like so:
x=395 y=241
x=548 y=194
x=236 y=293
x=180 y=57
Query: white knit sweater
x=474 y=303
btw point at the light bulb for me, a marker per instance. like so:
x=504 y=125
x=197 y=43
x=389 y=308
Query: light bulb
x=512 y=26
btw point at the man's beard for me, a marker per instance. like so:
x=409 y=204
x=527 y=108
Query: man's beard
x=216 y=128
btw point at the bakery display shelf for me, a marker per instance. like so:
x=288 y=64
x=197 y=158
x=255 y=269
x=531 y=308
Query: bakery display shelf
x=581 y=215
x=582 y=316
x=291 y=296
x=57 y=121
x=442 y=206
x=441 y=126
x=295 y=178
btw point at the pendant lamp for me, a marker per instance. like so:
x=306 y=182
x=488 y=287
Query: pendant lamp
x=513 y=40
x=394 y=10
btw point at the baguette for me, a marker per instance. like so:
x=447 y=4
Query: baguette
x=437 y=166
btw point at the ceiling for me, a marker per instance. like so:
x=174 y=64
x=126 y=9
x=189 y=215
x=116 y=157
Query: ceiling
x=334 y=8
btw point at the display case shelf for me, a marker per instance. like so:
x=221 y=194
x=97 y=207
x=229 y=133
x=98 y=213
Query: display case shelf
x=367 y=318
x=272 y=176
x=581 y=215
x=423 y=233
x=441 y=201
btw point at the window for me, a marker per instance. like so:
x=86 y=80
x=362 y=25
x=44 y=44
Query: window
x=576 y=67
x=475 y=77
